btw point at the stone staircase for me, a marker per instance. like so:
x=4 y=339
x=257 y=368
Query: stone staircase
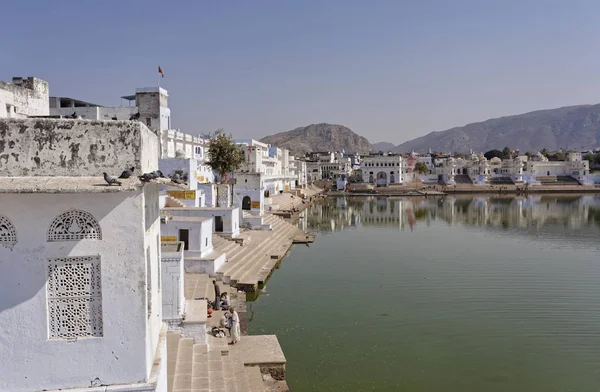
x=462 y=179
x=213 y=367
x=251 y=264
x=217 y=366
x=173 y=202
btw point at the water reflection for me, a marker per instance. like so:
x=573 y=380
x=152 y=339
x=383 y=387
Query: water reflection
x=337 y=214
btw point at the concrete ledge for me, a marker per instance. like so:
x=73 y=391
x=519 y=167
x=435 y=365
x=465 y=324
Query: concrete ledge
x=205 y=265
x=265 y=352
x=195 y=311
x=194 y=325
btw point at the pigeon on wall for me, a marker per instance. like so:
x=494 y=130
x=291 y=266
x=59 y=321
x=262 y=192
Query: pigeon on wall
x=127 y=173
x=149 y=176
x=110 y=180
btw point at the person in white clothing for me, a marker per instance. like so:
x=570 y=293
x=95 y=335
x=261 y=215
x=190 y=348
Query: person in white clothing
x=235 y=326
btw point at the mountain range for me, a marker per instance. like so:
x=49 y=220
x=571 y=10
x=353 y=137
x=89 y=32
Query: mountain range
x=570 y=127
x=319 y=137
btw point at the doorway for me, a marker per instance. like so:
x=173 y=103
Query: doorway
x=219 y=224
x=184 y=236
x=246 y=203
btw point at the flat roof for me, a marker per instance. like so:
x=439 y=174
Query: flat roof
x=171 y=246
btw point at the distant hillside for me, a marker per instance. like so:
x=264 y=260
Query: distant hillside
x=319 y=137
x=567 y=127
x=383 y=146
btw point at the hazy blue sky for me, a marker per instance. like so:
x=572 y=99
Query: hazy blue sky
x=389 y=70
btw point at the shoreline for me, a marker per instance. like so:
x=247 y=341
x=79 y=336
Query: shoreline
x=512 y=191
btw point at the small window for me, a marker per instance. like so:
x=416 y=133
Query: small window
x=74 y=295
x=148 y=121
x=206 y=241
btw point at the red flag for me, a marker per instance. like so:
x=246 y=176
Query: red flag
x=160 y=71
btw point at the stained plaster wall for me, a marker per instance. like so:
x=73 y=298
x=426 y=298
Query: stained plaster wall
x=125 y=353
x=62 y=147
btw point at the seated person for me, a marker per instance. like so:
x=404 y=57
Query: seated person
x=225 y=301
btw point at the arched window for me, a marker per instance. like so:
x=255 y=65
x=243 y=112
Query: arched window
x=8 y=234
x=74 y=225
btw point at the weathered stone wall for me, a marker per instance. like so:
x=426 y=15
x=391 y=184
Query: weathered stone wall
x=61 y=147
x=223 y=195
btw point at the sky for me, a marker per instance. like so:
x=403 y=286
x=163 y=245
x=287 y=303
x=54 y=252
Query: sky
x=390 y=70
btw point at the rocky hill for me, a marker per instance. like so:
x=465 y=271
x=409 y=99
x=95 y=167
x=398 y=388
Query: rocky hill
x=319 y=137
x=567 y=127
x=383 y=146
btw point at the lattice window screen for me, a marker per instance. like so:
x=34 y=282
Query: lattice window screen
x=8 y=234
x=74 y=225
x=74 y=291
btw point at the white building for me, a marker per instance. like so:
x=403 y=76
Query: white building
x=383 y=170
x=80 y=284
x=272 y=163
x=24 y=97
x=298 y=169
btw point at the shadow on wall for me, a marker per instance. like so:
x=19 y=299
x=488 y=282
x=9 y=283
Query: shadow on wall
x=29 y=237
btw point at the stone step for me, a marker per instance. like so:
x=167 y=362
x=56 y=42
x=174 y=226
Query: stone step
x=262 y=266
x=251 y=256
x=255 y=380
x=248 y=250
x=200 y=381
x=182 y=376
x=172 y=347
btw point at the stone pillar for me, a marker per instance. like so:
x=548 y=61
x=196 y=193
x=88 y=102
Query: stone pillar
x=223 y=195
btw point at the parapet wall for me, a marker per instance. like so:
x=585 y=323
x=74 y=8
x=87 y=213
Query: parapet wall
x=62 y=147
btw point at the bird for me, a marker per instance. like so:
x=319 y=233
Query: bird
x=176 y=178
x=135 y=116
x=110 y=180
x=115 y=118
x=127 y=173
x=74 y=115
x=160 y=174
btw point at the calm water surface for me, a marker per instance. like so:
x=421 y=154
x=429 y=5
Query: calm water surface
x=454 y=294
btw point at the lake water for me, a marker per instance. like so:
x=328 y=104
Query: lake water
x=453 y=294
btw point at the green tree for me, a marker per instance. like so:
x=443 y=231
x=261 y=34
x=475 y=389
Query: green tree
x=506 y=153
x=545 y=152
x=420 y=167
x=224 y=156
x=493 y=154
x=589 y=157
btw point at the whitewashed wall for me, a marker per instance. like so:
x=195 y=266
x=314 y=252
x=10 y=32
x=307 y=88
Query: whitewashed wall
x=173 y=299
x=125 y=352
x=200 y=235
